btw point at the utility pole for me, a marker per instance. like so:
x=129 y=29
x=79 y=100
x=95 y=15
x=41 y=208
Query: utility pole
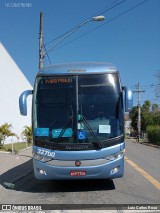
x=139 y=110
x=41 y=54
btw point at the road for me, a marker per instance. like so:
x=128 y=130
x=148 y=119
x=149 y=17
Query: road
x=140 y=184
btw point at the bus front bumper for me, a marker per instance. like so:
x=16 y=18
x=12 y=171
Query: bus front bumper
x=110 y=170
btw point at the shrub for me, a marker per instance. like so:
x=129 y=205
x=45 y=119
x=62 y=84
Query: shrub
x=154 y=134
x=5 y=131
x=27 y=134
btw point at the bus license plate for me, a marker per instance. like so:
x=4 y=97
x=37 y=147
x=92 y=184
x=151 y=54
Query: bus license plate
x=77 y=173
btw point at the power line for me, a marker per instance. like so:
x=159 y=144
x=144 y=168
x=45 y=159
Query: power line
x=152 y=85
x=104 y=10
x=47 y=54
x=148 y=86
x=110 y=20
x=66 y=34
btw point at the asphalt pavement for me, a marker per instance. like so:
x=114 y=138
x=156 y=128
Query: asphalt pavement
x=13 y=167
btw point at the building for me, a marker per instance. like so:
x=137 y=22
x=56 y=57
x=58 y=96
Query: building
x=127 y=124
x=12 y=84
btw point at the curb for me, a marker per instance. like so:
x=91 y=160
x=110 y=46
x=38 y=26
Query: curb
x=147 y=144
x=5 y=152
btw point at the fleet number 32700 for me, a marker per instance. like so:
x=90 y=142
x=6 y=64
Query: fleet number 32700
x=46 y=153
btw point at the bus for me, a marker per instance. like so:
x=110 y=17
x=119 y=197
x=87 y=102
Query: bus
x=78 y=121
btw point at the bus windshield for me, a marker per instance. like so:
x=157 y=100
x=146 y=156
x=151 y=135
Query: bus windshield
x=78 y=109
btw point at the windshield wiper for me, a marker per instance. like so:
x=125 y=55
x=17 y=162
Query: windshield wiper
x=63 y=130
x=97 y=144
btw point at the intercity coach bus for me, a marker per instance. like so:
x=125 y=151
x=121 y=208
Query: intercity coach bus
x=78 y=121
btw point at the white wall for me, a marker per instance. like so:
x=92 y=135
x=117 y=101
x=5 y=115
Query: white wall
x=12 y=84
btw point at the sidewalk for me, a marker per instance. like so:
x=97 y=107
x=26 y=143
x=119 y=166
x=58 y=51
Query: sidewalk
x=14 y=167
x=143 y=142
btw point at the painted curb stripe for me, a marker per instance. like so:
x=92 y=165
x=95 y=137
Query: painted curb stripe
x=143 y=173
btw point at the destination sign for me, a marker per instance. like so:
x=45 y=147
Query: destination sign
x=58 y=80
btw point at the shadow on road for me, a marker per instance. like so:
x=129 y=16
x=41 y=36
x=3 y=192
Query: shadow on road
x=21 y=178
x=9 y=178
x=30 y=184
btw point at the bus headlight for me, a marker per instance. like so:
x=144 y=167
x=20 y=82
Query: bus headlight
x=115 y=156
x=40 y=157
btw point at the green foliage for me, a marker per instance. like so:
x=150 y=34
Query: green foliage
x=146 y=106
x=148 y=117
x=27 y=134
x=155 y=107
x=154 y=134
x=134 y=116
x=5 y=131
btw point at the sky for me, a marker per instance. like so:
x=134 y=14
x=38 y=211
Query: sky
x=129 y=37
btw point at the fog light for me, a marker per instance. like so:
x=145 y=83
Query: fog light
x=41 y=171
x=114 y=170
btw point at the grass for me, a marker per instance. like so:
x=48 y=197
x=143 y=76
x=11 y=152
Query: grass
x=16 y=147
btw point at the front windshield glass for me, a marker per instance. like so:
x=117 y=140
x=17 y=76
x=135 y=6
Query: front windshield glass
x=54 y=109
x=77 y=109
x=100 y=104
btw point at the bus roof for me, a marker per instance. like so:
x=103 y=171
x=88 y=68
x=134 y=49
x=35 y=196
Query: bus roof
x=78 y=68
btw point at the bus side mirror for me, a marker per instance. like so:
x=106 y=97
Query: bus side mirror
x=128 y=96
x=23 y=101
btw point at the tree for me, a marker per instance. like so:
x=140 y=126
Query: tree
x=156 y=117
x=146 y=106
x=146 y=120
x=155 y=107
x=148 y=117
x=134 y=117
x=5 y=131
x=27 y=134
